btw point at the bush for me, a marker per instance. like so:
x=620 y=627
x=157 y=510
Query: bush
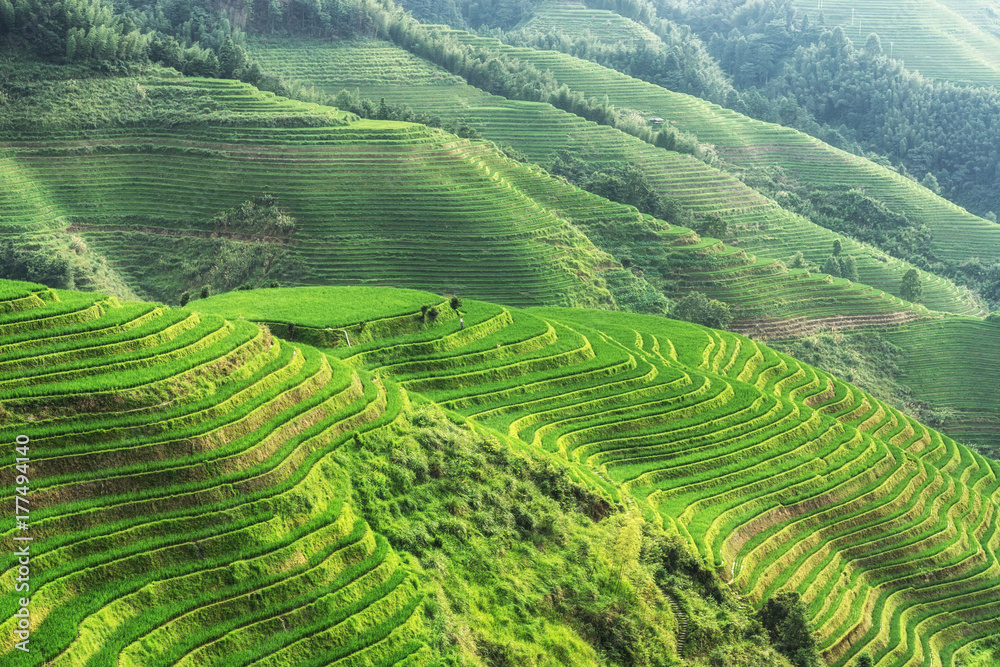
x=185 y=298
x=456 y=303
x=206 y=291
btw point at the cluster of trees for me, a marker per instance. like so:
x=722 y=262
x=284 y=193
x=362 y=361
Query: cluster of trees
x=364 y=107
x=618 y=181
x=260 y=215
x=72 y=30
x=698 y=308
x=37 y=265
x=785 y=618
x=837 y=264
x=470 y=13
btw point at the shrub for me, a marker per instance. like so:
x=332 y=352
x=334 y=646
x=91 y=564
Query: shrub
x=185 y=298
x=456 y=303
x=205 y=292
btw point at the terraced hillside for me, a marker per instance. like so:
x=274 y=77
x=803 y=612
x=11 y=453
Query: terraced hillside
x=372 y=201
x=943 y=39
x=957 y=234
x=380 y=70
x=376 y=202
x=781 y=475
x=576 y=18
x=932 y=353
x=182 y=505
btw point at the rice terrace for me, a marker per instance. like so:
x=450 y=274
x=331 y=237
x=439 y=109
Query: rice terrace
x=493 y=333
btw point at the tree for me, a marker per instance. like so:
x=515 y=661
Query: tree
x=931 y=183
x=797 y=261
x=70 y=44
x=698 y=308
x=784 y=618
x=911 y=289
x=712 y=225
x=185 y=298
x=849 y=268
x=232 y=59
x=865 y=661
x=832 y=266
x=628 y=546
x=6 y=16
x=205 y=291
x=455 y=303
x=838 y=247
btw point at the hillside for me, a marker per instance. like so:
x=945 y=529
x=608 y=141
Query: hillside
x=933 y=350
x=421 y=400
x=575 y=18
x=231 y=455
x=446 y=204
x=276 y=190
x=379 y=70
x=203 y=492
x=780 y=475
x=747 y=143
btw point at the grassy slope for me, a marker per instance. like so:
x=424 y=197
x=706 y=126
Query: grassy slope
x=782 y=475
x=183 y=504
x=759 y=226
x=391 y=202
